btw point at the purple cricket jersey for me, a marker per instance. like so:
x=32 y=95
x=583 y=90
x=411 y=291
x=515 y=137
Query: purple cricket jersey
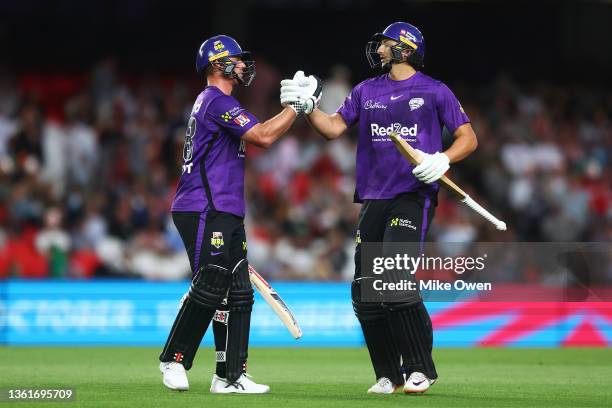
x=213 y=169
x=417 y=108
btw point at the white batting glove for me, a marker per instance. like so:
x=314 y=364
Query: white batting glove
x=293 y=100
x=292 y=94
x=300 y=78
x=432 y=167
x=314 y=92
x=307 y=89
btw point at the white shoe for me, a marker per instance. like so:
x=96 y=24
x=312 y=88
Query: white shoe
x=243 y=385
x=417 y=383
x=175 y=376
x=383 y=386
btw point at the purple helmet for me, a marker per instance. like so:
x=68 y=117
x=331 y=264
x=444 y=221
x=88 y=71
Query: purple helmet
x=219 y=49
x=408 y=37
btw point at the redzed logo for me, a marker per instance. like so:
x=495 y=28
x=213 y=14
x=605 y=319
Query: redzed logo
x=178 y=357
x=398 y=128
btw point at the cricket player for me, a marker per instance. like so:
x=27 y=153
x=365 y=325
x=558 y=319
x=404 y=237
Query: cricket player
x=208 y=211
x=398 y=198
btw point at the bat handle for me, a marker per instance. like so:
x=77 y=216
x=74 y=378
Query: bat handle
x=500 y=225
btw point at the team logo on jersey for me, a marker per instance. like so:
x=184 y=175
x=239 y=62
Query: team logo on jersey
x=217 y=239
x=226 y=116
x=416 y=103
x=218 y=45
x=241 y=120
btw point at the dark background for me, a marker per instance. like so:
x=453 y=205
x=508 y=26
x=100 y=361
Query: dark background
x=473 y=41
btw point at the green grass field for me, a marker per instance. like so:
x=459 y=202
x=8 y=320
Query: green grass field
x=316 y=377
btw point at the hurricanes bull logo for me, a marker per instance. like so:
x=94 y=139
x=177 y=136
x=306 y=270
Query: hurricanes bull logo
x=217 y=239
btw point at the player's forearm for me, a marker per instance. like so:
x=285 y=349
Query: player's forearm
x=328 y=126
x=277 y=126
x=465 y=143
x=268 y=132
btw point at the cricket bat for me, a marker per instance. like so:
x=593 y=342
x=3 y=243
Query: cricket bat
x=415 y=158
x=276 y=303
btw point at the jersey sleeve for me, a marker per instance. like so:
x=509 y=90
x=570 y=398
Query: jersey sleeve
x=227 y=112
x=450 y=111
x=349 y=110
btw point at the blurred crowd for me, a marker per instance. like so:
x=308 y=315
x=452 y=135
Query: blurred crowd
x=89 y=163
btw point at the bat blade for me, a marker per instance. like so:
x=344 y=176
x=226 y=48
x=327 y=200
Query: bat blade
x=277 y=304
x=415 y=158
